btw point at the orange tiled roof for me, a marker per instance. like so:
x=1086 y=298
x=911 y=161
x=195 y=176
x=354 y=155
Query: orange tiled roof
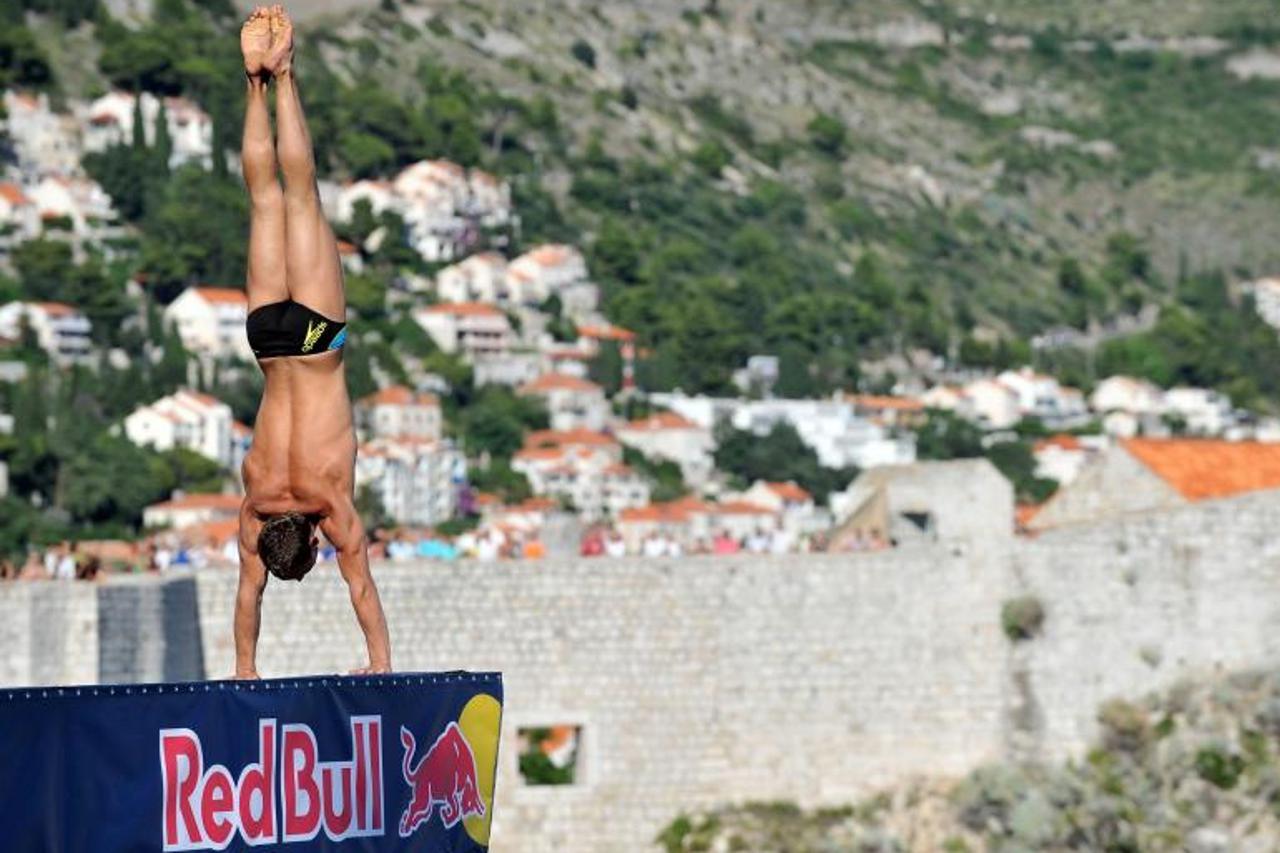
x=789 y=492
x=740 y=508
x=874 y=401
x=567 y=437
x=607 y=333
x=1062 y=442
x=57 y=309
x=465 y=309
x=13 y=194
x=1023 y=513
x=399 y=395
x=557 y=382
x=545 y=454
x=225 y=295
x=1200 y=469
x=661 y=421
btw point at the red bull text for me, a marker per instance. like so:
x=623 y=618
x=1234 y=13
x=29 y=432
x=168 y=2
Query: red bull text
x=289 y=795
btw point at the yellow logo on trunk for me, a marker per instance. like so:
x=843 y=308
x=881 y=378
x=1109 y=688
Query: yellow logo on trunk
x=314 y=332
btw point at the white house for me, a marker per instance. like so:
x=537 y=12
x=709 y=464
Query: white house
x=473 y=329
x=398 y=412
x=44 y=142
x=949 y=398
x=19 y=217
x=60 y=329
x=544 y=270
x=583 y=468
x=1061 y=457
x=416 y=480
x=379 y=194
x=831 y=427
x=81 y=201
x=1127 y=394
x=571 y=402
x=793 y=505
x=188 y=510
x=993 y=404
x=490 y=200
x=1043 y=397
x=198 y=422
x=210 y=321
x=1266 y=296
x=668 y=436
x=478 y=278
x=109 y=121
x=1205 y=411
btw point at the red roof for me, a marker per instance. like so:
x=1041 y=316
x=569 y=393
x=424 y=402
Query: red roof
x=740 y=508
x=224 y=295
x=1062 y=442
x=1200 y=469
x=660 y=421
x=399 y=395
x=567 y=438
x=607 y=333
x=902 y=404
x=57 y=309
x=345 y=248
x=13 y=194
x=558 y=382
x=465 y=309
x=789 y=492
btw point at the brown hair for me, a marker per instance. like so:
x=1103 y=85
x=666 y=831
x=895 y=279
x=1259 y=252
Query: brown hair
x=284 y=544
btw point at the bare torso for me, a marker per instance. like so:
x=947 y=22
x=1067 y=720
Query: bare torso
x=304 y=448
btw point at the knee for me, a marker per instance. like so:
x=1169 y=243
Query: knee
x=267 y=198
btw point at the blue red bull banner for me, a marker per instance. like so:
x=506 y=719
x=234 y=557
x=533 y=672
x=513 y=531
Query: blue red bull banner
x=370 y=763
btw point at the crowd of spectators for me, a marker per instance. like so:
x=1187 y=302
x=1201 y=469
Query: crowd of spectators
x=170 y=552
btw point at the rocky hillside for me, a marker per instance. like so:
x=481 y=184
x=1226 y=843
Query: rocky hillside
x=1197 y=769
x=1022 y=132
x=847 y=181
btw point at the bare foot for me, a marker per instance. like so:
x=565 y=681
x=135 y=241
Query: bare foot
x=255 y=41
x=279 y=58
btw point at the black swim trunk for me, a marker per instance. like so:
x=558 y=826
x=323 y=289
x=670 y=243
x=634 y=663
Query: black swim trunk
x=290 y=328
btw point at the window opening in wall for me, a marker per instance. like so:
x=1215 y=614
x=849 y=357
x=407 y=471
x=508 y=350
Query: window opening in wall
x=549 y=755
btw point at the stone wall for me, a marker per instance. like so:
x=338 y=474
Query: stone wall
x=704 y=680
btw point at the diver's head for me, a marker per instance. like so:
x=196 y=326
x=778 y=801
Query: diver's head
x=287 y=545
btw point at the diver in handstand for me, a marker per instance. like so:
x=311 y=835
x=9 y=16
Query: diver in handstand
x=299 y=473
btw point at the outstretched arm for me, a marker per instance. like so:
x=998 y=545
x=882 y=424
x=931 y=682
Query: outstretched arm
x=346 y=532
x=253 y=580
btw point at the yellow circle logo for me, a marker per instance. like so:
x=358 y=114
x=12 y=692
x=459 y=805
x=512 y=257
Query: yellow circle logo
x=481 y=721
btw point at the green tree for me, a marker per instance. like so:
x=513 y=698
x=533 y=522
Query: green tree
x=828 y=134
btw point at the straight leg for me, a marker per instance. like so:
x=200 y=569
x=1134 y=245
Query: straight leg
x=314 y=270
x=267 y=282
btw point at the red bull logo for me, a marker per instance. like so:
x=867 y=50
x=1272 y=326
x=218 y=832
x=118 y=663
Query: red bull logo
x=288 y=795
x=443 y=781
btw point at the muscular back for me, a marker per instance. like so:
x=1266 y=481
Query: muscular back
x=304 y=448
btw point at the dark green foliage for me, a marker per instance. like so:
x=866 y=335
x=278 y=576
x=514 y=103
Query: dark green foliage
x=1208 y=340
x=945 y=435
x=778 y=456
x=828 y=134
x=46 y=272
x=496 y=420
x=584 y=53
x=1219 y=767
x=22 y=62
x=1022 y=618
x=606 y=368
x=665 y=479
x=499 y=478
